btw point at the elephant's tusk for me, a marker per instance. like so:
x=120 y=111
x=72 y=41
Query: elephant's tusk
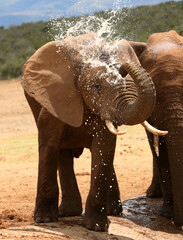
x=112 y=128
x=156 y=144
x=153 y=130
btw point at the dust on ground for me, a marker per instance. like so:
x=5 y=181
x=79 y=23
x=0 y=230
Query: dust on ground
x=18 y=180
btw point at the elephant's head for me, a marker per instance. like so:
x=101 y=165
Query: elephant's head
x=64 y=81
x=162 y=57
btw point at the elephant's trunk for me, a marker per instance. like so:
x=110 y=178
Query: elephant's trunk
x=134 y=111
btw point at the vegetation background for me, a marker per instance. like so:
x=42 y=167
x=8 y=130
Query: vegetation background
x=18 y=43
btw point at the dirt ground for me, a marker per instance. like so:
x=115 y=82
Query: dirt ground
x=18 y=180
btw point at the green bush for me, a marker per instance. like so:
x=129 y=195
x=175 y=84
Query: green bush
x=17 y=44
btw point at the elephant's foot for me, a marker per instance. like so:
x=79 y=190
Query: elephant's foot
x=46 y=211
x=154 y=190
x=115 y=208
x=70 y=207
x=96 y=221
x=95 y=217
x=166 y=210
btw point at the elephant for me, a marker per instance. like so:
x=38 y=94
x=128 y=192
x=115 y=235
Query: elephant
x=162 y=57
x=78 y=97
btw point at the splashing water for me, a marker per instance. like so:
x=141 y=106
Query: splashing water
x=100 y=23
x=62 y=28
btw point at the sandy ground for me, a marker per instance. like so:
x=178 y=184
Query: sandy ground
x=18 y=180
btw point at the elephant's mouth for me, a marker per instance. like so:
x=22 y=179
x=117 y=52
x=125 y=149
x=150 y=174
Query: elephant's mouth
x=145 y=124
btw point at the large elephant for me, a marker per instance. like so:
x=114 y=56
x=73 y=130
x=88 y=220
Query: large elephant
x=74 y=90
x=162 y=57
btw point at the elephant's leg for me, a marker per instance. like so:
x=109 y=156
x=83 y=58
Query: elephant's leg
x=175 y=152
x=154 y=190
x=71 y=204
x=102 y=149
x=46 y=209
x=165 y=179
x=114 y=202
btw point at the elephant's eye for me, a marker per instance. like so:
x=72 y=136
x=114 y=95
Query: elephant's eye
x=97 y=86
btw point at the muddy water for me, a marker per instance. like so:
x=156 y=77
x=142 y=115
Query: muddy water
x=145 y=212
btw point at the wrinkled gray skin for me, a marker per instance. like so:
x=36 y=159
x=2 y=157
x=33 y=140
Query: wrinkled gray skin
x=70 y=100
x=162 y=57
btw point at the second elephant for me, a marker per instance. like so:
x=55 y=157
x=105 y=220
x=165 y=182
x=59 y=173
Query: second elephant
x=162 y=57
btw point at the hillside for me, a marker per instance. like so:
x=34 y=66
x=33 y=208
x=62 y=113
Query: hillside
x=17 y=44
x=18 y=11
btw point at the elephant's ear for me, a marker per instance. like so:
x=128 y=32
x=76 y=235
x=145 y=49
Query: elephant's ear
x=48 y=76
x=139 y=47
